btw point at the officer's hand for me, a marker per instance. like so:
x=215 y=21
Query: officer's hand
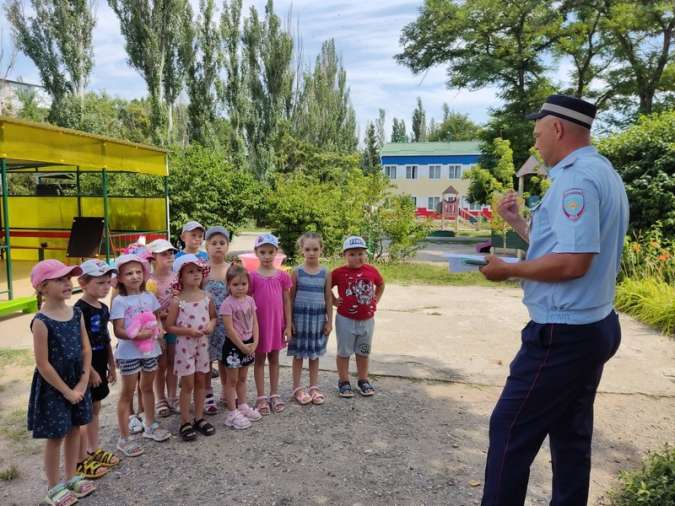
x=508 y=207
x=496 y=269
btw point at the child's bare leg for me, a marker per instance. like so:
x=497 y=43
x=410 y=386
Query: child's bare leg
x=71 y=450
x=242 y=372
x=314 y=371
x=232 y=377
x=362 y=366
x=259 y=373
x=84 y=442
x=297 y=371
x=160 y=378
x=125 y=403
x=222 y=372
x=92 y=428
x=148 y=396
x=52 y=457
x=171 y=379
x=187 y=384
x=343 y=368
x=273 y=357
x=200 y=393
x=139 y=393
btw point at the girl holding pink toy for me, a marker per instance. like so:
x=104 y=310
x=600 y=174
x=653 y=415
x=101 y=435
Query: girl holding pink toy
x=131 y=302
x=192 y=317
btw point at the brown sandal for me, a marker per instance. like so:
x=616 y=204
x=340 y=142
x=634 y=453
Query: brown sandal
x=262 y=405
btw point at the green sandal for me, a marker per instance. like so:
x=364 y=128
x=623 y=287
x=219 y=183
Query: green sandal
x=59 y=495
x=80 y=487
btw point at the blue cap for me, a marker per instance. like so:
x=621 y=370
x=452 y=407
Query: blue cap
x=263 y=239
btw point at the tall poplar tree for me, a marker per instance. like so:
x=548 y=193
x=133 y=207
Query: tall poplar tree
x=419 y=123
x=58 y=38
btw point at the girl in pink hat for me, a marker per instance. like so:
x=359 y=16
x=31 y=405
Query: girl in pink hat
x=60 y=402
x=132 y=300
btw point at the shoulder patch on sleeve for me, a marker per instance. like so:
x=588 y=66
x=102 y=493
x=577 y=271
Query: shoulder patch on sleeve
x=573 y=203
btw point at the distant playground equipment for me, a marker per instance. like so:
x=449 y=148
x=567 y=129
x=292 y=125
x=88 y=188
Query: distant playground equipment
x=53 y=224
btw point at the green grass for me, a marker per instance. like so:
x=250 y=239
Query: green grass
x=9 y=474
x=15 y=356
x=13 y=426
x=650 y=300
x=409 y=273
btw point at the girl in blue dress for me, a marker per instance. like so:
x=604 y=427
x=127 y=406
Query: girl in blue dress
x=312 y=317
x=60 y=401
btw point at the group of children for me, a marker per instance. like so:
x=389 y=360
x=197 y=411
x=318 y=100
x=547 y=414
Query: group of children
x=174 y=313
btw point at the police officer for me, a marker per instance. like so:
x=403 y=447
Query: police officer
x=575 y=241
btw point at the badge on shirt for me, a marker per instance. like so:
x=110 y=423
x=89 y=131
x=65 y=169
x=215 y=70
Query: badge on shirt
x=573 y=203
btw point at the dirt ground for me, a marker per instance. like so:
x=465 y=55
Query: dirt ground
x=440 y=358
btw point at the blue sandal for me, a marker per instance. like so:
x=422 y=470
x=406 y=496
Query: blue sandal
x=345 y=390
x=365 y=388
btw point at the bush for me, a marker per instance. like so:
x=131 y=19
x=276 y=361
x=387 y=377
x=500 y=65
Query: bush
x=651 y=485
x=204 y=186
x=644 y=156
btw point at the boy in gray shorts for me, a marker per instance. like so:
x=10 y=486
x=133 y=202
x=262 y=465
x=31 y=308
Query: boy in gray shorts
x=360 y=287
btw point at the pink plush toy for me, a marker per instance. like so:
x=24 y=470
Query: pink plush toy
x=144 y=320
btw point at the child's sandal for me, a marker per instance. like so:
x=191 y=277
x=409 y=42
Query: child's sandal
x=210 y=407
x=80 y=487
x=162 y=409
x=301 y=397
x=130 y=447
x=187 y=432
x=59 y=495
x=103 y=457
x=203 y=427
x=262 y=405
x=90 y=469
x=317 y=396
x=277 y=404
x=174 y=404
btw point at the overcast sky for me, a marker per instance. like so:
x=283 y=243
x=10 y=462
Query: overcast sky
x=366 y=35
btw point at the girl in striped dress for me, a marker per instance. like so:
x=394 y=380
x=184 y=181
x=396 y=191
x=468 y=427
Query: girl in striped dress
x=312 y=317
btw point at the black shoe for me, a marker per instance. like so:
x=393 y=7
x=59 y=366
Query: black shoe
x=345 y=390
x=365 y=388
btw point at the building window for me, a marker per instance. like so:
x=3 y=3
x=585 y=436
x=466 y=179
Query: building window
x=390 y=171
x=434 y=171
x=411 y=172
x=454 y=171
x=432 y=204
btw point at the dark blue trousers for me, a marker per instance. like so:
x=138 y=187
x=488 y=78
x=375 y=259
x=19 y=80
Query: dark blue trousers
x=549 y=392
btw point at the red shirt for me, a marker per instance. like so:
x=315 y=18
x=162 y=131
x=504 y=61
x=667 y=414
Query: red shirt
x=356 y=288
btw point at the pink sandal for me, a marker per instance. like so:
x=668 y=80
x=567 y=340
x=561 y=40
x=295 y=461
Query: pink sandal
x=277 y=404
x=262 y=405
x=301 y=397
x=316 y=395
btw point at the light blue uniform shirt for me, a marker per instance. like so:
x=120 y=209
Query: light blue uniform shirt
x=584 y=211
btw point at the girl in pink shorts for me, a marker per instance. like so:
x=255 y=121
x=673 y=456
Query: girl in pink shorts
x=192 y=317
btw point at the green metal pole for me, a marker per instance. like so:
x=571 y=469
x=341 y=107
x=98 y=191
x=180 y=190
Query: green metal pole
x=106 y=223
x=79 y=192
x=166 y=206
x=5 y=219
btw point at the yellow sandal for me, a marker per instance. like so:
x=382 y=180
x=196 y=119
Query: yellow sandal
x=104 y=457
x=90 y=469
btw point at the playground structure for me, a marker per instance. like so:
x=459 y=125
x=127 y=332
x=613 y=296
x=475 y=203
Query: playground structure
x=38 y=226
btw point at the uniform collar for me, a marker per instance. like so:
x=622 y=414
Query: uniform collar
x=569 y=160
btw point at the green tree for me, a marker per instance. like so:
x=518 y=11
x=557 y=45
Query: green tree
x=323 y=114
x=151 y=30
x=398 y=133
x=644 y=156
x=379 y=127
x=58 y=39
x=371 y=151
x=268 y=51
x=455 y=127
x=484 y=182
x=232 y=89
x=419 y=123
x=29 y=107
x=202 y=63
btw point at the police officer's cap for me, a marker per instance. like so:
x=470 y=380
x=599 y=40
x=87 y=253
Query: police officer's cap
x=570 y=108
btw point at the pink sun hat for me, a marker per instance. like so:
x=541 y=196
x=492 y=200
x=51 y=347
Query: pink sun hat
x=51 y=269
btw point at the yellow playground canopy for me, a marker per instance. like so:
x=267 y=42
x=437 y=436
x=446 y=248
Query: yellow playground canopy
x=35 y=226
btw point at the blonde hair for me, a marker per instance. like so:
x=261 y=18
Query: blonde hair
x=308 y=235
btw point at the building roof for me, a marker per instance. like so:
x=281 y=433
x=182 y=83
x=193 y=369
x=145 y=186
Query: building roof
x=431 y=148
x=450 y=190
x=532 y=166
